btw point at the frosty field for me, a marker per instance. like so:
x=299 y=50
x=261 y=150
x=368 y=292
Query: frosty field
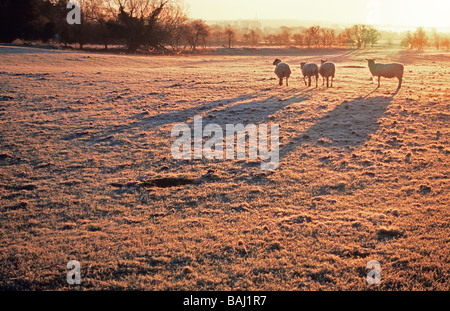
x=363 y=173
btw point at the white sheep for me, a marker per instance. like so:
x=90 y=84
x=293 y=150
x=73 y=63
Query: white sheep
x=327 y=70
x=309 y=70
x=394 y=70
x=282 y=70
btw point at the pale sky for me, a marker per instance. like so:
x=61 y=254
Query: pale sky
x=427 y=13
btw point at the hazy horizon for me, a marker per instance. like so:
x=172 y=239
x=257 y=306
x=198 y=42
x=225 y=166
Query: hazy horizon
x=292 y=23
x=396 y=15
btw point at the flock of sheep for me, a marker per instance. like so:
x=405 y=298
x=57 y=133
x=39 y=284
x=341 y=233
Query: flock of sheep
x=327 y=70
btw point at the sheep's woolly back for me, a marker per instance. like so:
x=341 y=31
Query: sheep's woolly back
x=282 y=70
x=309 y=69
x=394 y=70
x=327 y=70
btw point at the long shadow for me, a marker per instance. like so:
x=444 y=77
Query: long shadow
x=145 y=122
x=253 y=112
x=225 y=111
x=343 y=56
x=348 y=125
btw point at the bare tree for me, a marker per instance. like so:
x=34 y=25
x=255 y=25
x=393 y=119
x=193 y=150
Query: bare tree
x=420 y=39
x=362 y=35
x=139 y=18
x=436 y=39
x=230 y=34
x=96 y=12
x=416 y=40
x=307 y=38
x=252 y=37
x=371 y=36
x=407 y=41
x=331 y=37
x=269 y=39
x=172 y=25
x=197 y=32
x=327 y=36
x=312 y=36
x=356 y=35
x=323 y=36
x=298 y=38
x=284 y=37
x=79 y=30
x=446 y=42
x=342 y=39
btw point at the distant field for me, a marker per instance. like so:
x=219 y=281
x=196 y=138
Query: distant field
x=363 y=173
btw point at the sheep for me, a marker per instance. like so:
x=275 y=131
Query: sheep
x=327 y=70
x=282 y=70
x=309 y=70
x=394 y=70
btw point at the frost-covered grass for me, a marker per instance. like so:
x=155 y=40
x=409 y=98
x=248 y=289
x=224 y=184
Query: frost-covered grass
x=363 y=174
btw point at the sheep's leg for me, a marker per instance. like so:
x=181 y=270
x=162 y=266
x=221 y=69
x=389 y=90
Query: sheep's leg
x=317 y=78
x=332 y=78
x=287 y=83
x=327 y=81
x=399 y=83
x=281 y=81
x=309 y=81
x=304 y=79
x=379 y=79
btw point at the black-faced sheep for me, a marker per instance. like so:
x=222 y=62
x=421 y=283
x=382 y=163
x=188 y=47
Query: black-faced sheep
x=282 y=70
x=394 y=70
x=327 y=70
x=309 y=70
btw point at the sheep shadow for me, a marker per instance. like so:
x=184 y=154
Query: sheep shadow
x=343 y=57
x=253 y=112
x=144 y=122
x=238 y=110
x=241 y=109
x=347 y=126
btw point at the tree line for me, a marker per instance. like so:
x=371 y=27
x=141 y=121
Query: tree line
x=358 y=36
x=163 y=25
x=419 y=39
x=152 y=24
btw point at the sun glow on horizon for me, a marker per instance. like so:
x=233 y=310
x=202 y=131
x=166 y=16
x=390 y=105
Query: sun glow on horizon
x=394 y=13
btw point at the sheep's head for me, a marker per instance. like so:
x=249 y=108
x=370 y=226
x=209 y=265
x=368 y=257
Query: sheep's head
x=323 y=61
x=302 y=64
x=276 y=61
x=371 y=61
